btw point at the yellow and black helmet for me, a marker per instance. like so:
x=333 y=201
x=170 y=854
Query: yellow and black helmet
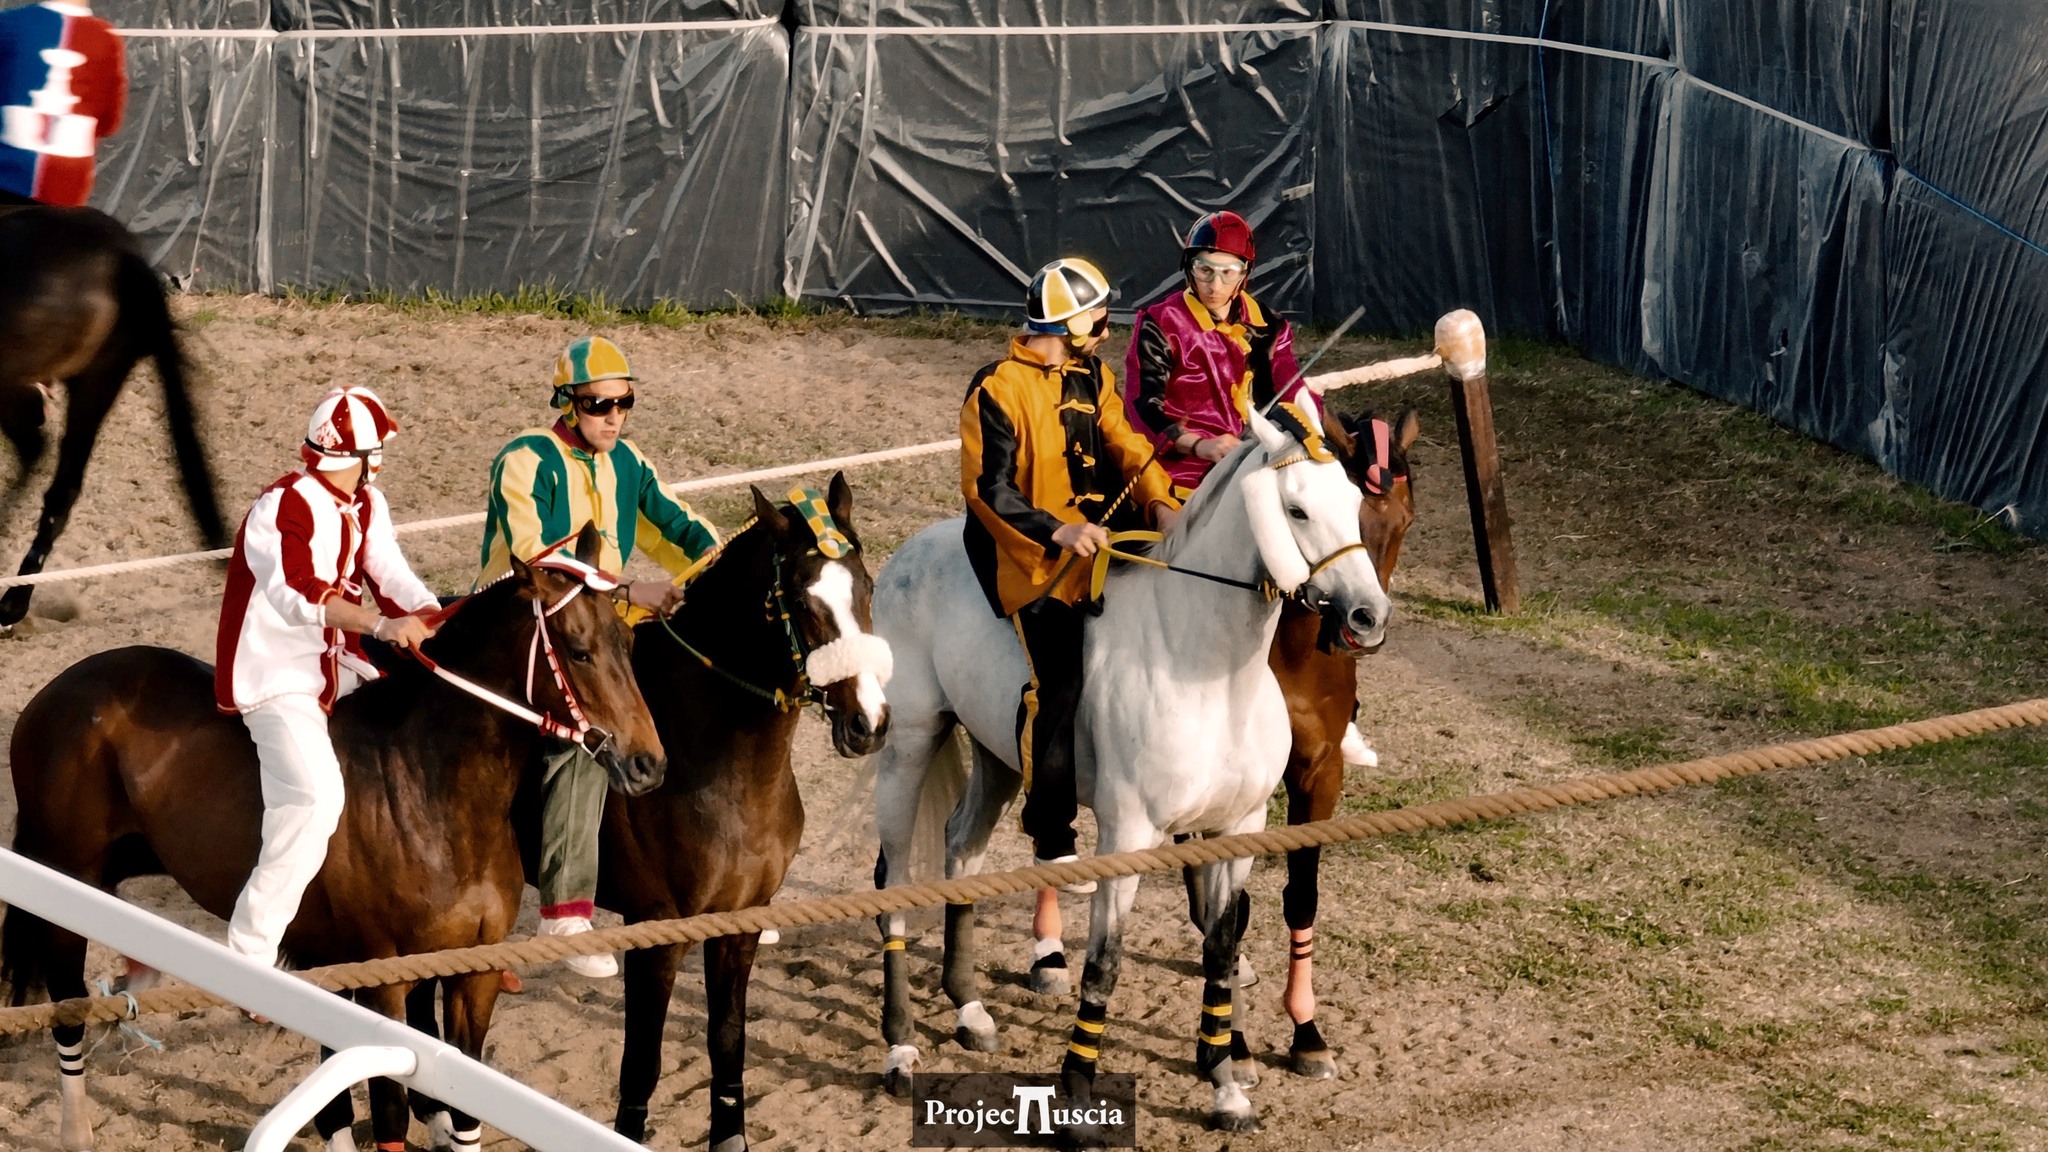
x=587 y=361
x=1063 y=298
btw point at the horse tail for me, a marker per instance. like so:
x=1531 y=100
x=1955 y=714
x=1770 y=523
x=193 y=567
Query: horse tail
x=25 y=943
x=945 y=782
x=143 y=308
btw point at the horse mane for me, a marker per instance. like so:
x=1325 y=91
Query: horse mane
x=1202 y=504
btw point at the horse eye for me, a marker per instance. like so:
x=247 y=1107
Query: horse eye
x=579 y=655
x=1297 y=513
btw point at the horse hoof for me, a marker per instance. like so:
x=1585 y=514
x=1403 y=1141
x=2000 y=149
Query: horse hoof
x=74 y=1126
x=1246 y=977
x=731 y=1144
x=1245 y=1071
x=342 y=1141
x=1245 y=1121
x=1319 y=1065
x=440 y=1131
x=976 y=1030
x=631 y=1122
x=1049 y=980
x=901 y=1067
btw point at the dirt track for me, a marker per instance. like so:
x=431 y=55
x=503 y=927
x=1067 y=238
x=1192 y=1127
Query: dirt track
x=1546 y=985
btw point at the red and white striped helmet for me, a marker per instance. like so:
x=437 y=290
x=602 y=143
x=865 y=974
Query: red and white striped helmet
x=349 y=424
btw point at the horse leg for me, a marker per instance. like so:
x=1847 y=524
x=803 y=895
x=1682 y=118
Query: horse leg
x=650 y=980
x=1112 y=903
x=1312 y=794
x=901 y=773
x=728 y=967
x=389 y=1119
x=466 y=1006
x=1049 y=976
x=335 y=1122
x=66 y=981
x=92 y=394
x=1218 y=886
x=967 y=833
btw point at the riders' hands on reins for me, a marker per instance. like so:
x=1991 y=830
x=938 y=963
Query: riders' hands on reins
x=403 y=631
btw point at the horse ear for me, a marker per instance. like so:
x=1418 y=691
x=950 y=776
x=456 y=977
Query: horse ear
x=839 y=501
x=766 y=513
x=1340 y=434
x=521 y=570
x=1407 y=426
x=589 y=544
x=1271 y=438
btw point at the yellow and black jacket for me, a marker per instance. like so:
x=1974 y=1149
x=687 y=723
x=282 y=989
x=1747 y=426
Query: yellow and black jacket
x=1043 y=445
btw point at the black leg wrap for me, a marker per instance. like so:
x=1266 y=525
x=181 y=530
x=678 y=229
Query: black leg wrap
x=728 y=1112
x=631 y=1122
x=337 y=1114
x=1212 y=1034
x=958 y=979
x=1298 y=899
x=1308 y=1039
x=1084 y=1041
x=895 y=992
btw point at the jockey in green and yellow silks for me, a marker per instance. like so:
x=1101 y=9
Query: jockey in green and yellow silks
x=545 y=485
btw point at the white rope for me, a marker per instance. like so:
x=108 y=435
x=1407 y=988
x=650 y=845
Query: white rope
x=701 y=484
x=1323 y=382
x=407 y=33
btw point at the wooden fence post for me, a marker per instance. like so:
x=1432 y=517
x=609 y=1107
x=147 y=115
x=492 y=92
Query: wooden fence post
x=1461 y=341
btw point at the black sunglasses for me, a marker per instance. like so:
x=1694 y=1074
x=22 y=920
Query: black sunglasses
x=603 y=405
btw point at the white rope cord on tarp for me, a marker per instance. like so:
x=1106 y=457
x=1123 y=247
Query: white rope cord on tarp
x=493 y=30
x=700 y=484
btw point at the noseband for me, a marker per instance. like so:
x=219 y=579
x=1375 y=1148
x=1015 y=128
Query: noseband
x=582 y=733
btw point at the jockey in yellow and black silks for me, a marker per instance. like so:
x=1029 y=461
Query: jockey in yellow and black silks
x=545 y=485
x=1045 y=451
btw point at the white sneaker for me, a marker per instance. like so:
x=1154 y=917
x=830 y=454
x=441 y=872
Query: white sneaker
x=1081 y=889
x=1357 y=752
x=602 y=966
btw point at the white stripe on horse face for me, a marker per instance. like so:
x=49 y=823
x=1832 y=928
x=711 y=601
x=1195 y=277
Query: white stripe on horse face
x=834 y=589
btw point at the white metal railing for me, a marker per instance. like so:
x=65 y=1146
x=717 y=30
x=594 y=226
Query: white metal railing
x=365 y=1043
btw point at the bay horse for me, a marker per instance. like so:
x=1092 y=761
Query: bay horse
x=1181 y=727
x=124 y=767
x=779 y=617
x=79 y=306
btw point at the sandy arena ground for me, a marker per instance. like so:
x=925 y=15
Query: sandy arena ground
x=1443 y=1042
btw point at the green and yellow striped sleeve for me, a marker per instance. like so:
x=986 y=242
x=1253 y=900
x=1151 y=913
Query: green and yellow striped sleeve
x=525 y=512
x=668 y=530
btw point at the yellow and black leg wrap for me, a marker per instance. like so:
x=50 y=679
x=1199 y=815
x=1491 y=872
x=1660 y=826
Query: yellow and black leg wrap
x=1084 y=1043
x=1212 y=1043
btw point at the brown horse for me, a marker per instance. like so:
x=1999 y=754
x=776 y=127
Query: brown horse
x=1321 y=686
x=769 y=624
x=124 y=767
x=79 y=305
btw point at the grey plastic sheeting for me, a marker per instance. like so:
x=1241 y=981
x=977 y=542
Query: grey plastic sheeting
x=390 y=14
x=942 y=14
x=640 y=165
x=186 y=169
x=944 y=169
x=1424 y=185
x=206 y=14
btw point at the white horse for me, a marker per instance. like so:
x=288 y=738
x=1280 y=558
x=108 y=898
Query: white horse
x=1181 y=729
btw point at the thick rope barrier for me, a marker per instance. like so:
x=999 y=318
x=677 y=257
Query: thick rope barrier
x=1168 y=857
x=700 y=484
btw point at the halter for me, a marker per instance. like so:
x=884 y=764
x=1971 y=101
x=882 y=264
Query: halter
x=542 y=644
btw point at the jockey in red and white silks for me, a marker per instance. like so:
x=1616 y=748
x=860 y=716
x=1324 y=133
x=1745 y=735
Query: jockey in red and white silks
x=316 y=564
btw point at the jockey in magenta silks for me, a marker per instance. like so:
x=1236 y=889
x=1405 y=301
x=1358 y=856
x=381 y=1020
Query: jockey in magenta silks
x=1203 y=358
x=316 y=565
x=63 y=88
x=1046 y=453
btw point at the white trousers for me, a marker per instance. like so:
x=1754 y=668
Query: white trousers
x=302 y=797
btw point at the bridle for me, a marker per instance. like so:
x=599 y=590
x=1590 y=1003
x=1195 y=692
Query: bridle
x=580 y=732
x=776 y=607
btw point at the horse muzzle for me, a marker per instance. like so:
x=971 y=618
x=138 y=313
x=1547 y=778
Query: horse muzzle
x=854 y=735
x=632 y=775
x=1356 y=629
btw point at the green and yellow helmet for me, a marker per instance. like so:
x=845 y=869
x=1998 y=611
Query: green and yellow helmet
x=587 y=361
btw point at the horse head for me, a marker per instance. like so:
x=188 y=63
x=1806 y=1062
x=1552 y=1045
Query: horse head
x=827 y=593
x=1374 y=453
x=1304 y=513
x=581 y=669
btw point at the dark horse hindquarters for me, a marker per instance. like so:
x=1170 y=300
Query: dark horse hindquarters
x=80 y=305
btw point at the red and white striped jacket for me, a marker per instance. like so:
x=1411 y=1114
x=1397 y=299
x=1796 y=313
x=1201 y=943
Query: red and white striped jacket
x=304 y=543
